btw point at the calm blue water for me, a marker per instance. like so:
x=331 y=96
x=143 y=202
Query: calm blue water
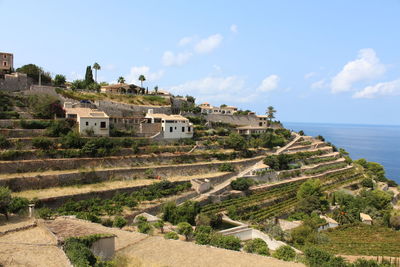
x=378 y=143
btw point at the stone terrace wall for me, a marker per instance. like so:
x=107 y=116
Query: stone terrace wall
x=125 y=110
x=76 y=163
x=64 y=179
x=22 y=132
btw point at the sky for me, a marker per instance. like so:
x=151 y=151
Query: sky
x=314 y=61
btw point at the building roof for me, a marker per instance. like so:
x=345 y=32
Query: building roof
x=328 y=220
x=116 y=86
x=229 y=107
x=86 y=112
x=260 y=165
x=262 y=116
x=64 y=228
x=166 y=117
x=365 y=217
x=249 y=127
x=6 y=53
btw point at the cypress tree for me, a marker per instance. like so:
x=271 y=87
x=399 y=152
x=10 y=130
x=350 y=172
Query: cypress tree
x=89 y=75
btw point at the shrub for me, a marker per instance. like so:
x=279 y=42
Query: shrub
x=184 y=213
x=226 y=167
x=18 y=204
x=42 y=143
x=185 y=229
x=203 y=234
x=88 y=216
x=78 y=253
x=285 y=253
x=5 y=200
x=227 y=242
x=72 y=140
x=171 y=235
x=236 y=142
x=367 y=182
x=34 y=124
x=119 y=222
x=241 y=184
x=59 y=128
x=45 y=213
x=257 y=246
x=4 y=143
x=316 y=257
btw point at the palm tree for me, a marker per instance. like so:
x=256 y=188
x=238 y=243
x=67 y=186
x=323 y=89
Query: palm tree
x=141 y=79
x=121 y=79
x=96 y=67
x=156 y=89
x=270 y=114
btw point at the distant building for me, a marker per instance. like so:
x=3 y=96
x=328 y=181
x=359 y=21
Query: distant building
x=90 y=121
x=258 y=169
x=121 y=88
x=172 y=126
x=262 y=120
x=330 y=223
x=365 y=218
x=206 y=108
x=6 y=62
x=249 y=130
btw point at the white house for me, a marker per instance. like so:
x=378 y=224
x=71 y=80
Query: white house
x=258 y=169
x=206 y=108
x=90 y=121
x=172 y=126
x=330 y=223
x=249 y=130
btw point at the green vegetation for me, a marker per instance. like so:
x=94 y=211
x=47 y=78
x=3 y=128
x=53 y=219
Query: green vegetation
x=171 y=235
x=241 y=184
x=285 y=161
x=257 y=246
x=185 y=229
x=91 y=209
x=311 y=197
x=226 y=242
x=34 y=71
x=184 y=213
x=362 y=239
x=285 y=253
x=46 y=106
x=59 y=80
x=9 y=204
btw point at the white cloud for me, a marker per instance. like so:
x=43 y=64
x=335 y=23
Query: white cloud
x=170 y=59
x=209 y=44
x=185 y=41
x=309 y=75
x=269 y=83
x=234 y=28
x=366 y=67
x=136 y=71
x=391 y=88
x=229 y=89
x=318 y=84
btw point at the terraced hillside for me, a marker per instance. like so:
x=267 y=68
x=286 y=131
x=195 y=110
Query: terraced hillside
x=295 y=164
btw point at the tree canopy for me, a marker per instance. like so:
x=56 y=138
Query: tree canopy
x=33 y=72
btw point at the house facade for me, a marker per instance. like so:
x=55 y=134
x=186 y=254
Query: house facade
x=172 y=126
x=249 y=130
x=90 y=121
x=6 y=62
x=206 y=108
x=121 y=88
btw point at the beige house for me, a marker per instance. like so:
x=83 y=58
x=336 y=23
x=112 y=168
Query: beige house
x=120 y=88
x=262 y=120
x=90 y=121
x=6 y=62
x=206 y=108
x=249 y=130
x=172 y=126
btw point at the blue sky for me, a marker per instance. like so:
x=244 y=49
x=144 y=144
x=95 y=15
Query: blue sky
x=314 y=61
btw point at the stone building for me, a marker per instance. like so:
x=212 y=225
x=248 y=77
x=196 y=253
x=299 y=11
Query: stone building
x=6 y=62
x=206 y=108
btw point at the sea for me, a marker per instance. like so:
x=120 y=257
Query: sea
x=377 y=143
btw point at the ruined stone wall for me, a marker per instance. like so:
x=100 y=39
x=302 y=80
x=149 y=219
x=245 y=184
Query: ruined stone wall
x=125 y=110
x=15 y=82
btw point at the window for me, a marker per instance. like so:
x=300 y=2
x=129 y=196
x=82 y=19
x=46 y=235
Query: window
x=87 y=123
x=95 y=124
x=5 y=63
x=4 y=56
x=175 y=127
x=189 y=129
x=103 y=125
x=170 y=129
x=260 y=124
x=183 y=129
